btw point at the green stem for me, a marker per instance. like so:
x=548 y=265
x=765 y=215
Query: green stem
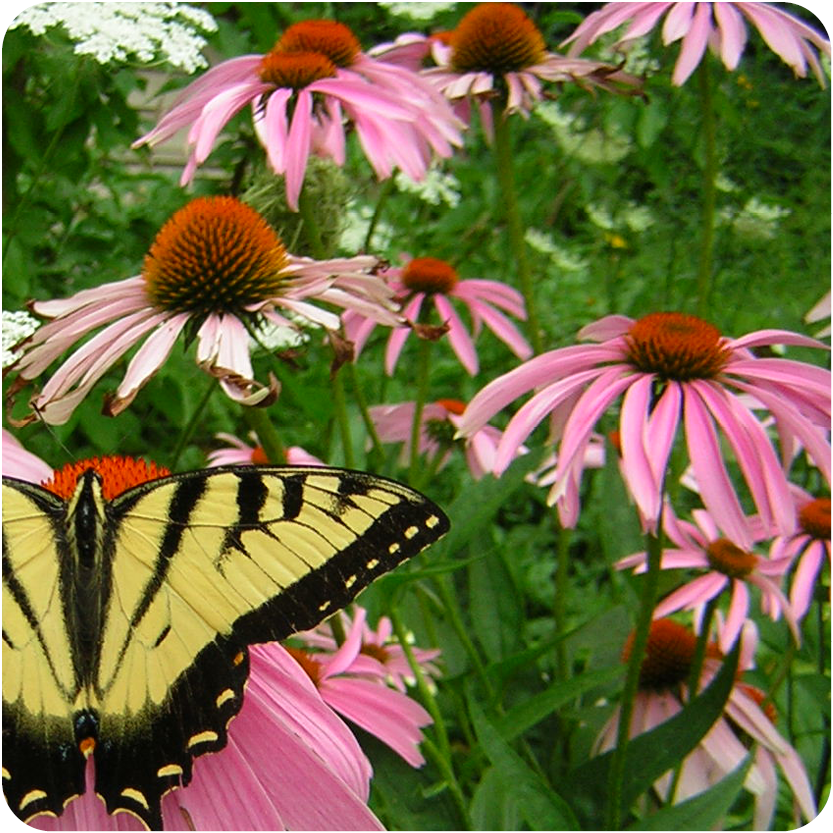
x=267 y=435
x=186 y=433
x=640 y=643
x=311 y=228
x=343 y=419
x=709 y=133
x=559 y=602
x=506 y=178
x=384 y=193
x=423 y=367
x=361 y=401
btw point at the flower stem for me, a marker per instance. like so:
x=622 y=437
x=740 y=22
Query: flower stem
x=709 y=133
x=384 y=192
x=423 y=367
x=186 y=433
x=267 y=435
x=361 y=401
x=311 y=228
x=559 y=602
x=343 y=419
x=640 y=643
x=506 y=178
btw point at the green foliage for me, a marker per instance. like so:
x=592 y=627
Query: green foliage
x=610 y=189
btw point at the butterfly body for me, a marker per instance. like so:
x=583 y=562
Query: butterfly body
x=126 y=621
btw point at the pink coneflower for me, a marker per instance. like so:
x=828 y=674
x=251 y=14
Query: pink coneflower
x=671 y=368
x=357 y=691
x=216 y=270
x=498 y=54
x=241 y=453
x=22 y=464
x=439 y=422
x=807 y=549
x=247 y=785
x=720 y=26
x=429 y=281
x=304 y=93
x=380 y=654
x=663 y=693
x=700 y=546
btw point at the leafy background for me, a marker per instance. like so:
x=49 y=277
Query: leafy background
x=612 y=190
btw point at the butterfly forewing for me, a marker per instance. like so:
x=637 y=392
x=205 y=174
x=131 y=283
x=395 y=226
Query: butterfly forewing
x=193 y=568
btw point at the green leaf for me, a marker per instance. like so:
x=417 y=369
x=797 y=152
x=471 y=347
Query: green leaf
x=656 y=751
x=702 y=811
x=494 y=805
x=538 y=803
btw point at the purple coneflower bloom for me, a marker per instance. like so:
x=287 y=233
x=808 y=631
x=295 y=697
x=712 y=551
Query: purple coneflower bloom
x=440 y=420
x=663 y=693
x=671 y=368
x=215 y=270
x=357 y=690
x=380 y=655
x=285 y=745
x=314 y=80
x=807 y=549
x=429 y=281
x=497 y=53
x=22 y=464
x=720 y=26
x=242 y=454
x=700 y=546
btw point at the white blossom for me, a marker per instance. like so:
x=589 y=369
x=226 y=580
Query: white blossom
x=586 y=144
x=127 y=31
x=357 y=219
x=756 y=219
x=417 y=11
x=560 y=256
x=16 y=326
x=435 y=187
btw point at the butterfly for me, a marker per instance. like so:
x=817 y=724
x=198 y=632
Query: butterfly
x=126 y=621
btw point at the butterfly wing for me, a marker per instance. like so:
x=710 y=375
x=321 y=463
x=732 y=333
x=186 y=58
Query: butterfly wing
x=42 y=766
x=202 y=565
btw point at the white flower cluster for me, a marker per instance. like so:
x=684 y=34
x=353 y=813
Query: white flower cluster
x=16 y=327
x=637 y=55
x=755 y=219
x=589 y=145
x=631 y=216
x=560 y=256
x=122 y=31
x=277 y=337
x=357 y=219
x=417 y=11
x=435 y=187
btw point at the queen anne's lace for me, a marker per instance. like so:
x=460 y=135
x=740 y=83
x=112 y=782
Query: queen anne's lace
x=124 y=31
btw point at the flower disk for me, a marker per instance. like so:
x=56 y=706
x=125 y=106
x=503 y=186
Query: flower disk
x=729 y=559
x=295 y=70
x=118 y=474
x=668 y=655
x=327 y=37
x=429 y=274
x=214 y=255
x=496 y=38
x=676 y=346
x=814 y=518
x=312 y=667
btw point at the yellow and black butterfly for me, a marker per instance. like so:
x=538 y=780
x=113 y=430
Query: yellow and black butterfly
x=126 y=621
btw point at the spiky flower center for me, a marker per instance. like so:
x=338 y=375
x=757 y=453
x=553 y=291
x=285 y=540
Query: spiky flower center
x=453 y=406
x=668 y=655
x=429 y=274
x=327 y=37
x=730 y=559
x=378 y=652
x=216 y=254
x=814 y=518
x=118 y=474
x=295 y=70
x=312 y=667
x=676 y=346
x=496 y=38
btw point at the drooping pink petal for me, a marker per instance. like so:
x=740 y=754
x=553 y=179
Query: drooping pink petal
x=694 y=43
x=732 y=33
x=458 y=335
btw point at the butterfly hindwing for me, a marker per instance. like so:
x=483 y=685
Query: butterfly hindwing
x=193 y=568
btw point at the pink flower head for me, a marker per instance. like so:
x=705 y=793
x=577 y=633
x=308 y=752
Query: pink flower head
x=380 y=655
x=242 y=454
x=807 y=549
x=723 y=566
x=720 y=26
x=429 y=281
x=663 y=693
x=440 y=420
x=215 y=270
x=357 y=691
x=22 y=464
x=672 y=369
x=497 y=53
x=315 y=82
